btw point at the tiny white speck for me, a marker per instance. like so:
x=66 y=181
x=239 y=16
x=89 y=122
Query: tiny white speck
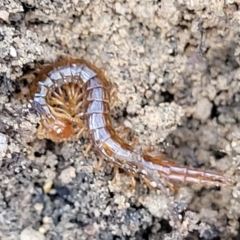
x=13 y=52
x=59 y=130
x=154 y=184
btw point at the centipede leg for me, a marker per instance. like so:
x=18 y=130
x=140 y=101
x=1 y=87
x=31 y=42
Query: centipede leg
x=133 y=181
x=89 y=146
x=116 y=175
x=79 y=134
x=78 y=99
x=65 y=116
x=99 y=164
x=40 y=133
x=113 y=94
x=120 y=127
x=134 y=141
x=103 y=69
x=172 y=187
x=159 y=157
x=147 y=182
x=147 y=149
x=125 y=132
x=114 y=88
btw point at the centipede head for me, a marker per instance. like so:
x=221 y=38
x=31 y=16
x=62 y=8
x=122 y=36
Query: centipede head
x=56 y=130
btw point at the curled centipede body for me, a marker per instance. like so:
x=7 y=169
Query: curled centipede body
x=73 y=97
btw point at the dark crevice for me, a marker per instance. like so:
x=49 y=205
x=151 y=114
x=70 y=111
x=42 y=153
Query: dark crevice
x=111 y=195
x=62 y=163
x=168 y=97
x=50 y=146
x=145 y=233
x=134 y=206
x=144 y=103
x=1 y=37
x=37 y=154
x=186 y=46
x=28 y=7
x=165 y=226
x=78 y=222
x=116 y=237
x=214 y=112
x=218 y=154
x=84 y=178
x=17 y=89
x=27 y=68
x=124 y=113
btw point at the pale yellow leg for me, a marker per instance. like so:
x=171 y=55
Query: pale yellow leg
x=147 y=149
x=125 y=132
x=113 y=96
x=133 y=182
x=103 y=69
x=65 y=116
x=114 y=89
x=148 y=183
x=40 y=133
x=87 y=149
x=134 y=141
x=99 y=164
x=79 y=134
x=120 y=127
x=116 y=175
x=172 y=187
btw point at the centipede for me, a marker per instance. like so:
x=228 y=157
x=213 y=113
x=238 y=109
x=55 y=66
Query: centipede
x=74 y=98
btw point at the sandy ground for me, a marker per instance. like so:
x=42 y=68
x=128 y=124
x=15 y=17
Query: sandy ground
x=175 y=91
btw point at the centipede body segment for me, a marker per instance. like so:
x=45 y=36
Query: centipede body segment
x=73 y=98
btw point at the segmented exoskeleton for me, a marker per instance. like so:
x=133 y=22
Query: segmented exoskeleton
x=73 y=97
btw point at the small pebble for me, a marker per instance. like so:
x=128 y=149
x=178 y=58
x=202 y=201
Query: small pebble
x=67 y=175
x=203 y=109
x=3 y=144
x=4 y=15
x=31 y=234
x=13 y=52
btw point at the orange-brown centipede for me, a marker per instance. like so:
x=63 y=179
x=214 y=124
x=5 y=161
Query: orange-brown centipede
x=73 y=97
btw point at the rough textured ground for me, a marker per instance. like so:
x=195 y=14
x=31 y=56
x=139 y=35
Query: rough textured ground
x=175 y=93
